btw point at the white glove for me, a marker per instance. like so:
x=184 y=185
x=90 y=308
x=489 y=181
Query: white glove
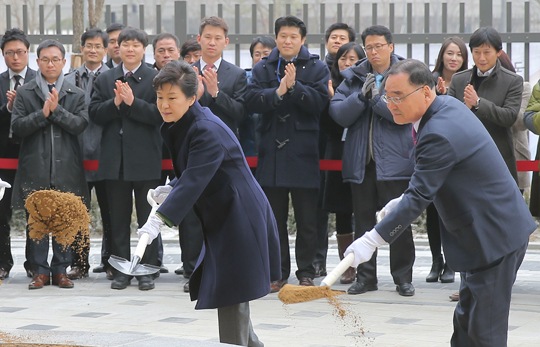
x=161 y=193
x=388 y=208
x=152 y=227
x=364 y=247
x=3 y=186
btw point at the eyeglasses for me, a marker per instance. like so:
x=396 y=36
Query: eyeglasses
x=13 y=53
x=377 y=47
x=90 y=47
x=397 y=100
x=46 y=61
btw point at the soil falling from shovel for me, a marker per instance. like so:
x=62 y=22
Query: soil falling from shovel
x=291 y=294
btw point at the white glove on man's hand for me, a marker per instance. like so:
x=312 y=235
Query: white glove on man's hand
x=152 y=227
x=388 y=208
x=3 y=186
x=364 y=247
x=161 y=193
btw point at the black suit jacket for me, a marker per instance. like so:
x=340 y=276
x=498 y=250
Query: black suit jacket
x=229 y=105
x=5 y=115
x=130 y=133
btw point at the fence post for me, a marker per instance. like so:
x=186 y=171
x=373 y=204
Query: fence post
x=180 y=20
x=486 y=13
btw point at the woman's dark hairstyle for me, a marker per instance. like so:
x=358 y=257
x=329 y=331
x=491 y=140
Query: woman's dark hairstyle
x=266 y=41
x=486 y=35
x=95 y=32
x=14 y=34
x=340 y=26
x=290 y=21
x=419 y=74
x=439 y=64
x=506 y=62
x=214 y=21
x=115 y=27
x=178 y=73
x=190 y=45
x=51 y=43
x=132 y=34
x=344 y=50
x=377 y=30
x=163 y=36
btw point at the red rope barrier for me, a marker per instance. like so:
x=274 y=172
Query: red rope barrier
x=328 y=165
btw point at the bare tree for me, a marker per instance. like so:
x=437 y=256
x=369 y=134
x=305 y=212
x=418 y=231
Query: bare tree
x=95 y=9
x=78 y=23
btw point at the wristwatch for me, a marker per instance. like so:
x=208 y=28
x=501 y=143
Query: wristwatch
x=475 y=108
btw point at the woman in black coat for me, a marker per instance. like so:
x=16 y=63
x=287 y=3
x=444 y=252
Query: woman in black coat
x=240 y=256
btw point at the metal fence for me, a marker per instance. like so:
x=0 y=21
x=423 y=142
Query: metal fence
x=407 y=28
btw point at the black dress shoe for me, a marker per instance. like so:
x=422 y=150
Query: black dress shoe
x=448 y=275
x=3 y=273
x=163 y=269
x=179 y=271
x=360 y=288
x=320 y=270
x=306 y=282
x=99 y=269
x=77 y=272
x=146 y=282
x=186 y=287
x=405 y=289
x=275 y=286
x=29 y=271
x=110 y=275
x=436 y=270
x=120 y=281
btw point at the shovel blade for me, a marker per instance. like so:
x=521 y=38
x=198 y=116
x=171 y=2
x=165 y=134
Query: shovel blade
x=124 y=266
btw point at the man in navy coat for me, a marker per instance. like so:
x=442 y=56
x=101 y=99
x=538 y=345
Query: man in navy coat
x=240 y=255
x=485 y=222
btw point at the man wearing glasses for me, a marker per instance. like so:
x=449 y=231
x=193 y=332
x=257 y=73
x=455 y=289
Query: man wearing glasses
x=377 y=157
x=14 y=47
x=48 y=115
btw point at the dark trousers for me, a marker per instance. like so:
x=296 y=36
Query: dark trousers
x=369 y=197
x=481 y=315
x=190 y=236
x=322 y=237
x=6 y=258
x=304 y=201
x=120 y=197
x=433 y=231
x=81 y=246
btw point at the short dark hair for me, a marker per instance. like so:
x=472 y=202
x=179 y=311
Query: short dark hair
x=190 y=45
x=14 y=34
x=439 y=64
x=340 y=26
x=419 y=74
x=178 y=73
x=51 y=43
x=165 y=36
x=115 y=27
x=377 y=30
x=266 y=41
x=290 y=21
x=214 y=21
x=95 y=32
x=486 y=35
x=343 y=50
x=131 y=34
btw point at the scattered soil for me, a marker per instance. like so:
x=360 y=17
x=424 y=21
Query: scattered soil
x=61 y=214
x=9 y=340
x=291 y=294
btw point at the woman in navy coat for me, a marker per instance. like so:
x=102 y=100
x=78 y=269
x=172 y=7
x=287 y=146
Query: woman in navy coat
x=241 y=254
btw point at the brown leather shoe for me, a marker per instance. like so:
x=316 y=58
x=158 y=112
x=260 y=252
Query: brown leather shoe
x=454 y=297
x=62 y=281
x=348 y=276
x=275 y=286
x=3 y=273
x=77 y=272
x=39 y=281
x=186 y=287
x=110 y=275
x=306 y=282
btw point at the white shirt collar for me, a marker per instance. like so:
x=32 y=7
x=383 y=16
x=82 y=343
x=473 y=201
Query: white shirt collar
x=114 y=64
x=416 y=124
x=94 y=71
x=216 y=64
x=134 y=70
x=22 y=73
x=484 y=74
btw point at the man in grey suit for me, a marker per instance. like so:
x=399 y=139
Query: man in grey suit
x=485 y=222
x=224 y=83
x=15 y=46
x=492 y=92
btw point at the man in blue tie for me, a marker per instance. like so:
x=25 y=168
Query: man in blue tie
x=377 y=157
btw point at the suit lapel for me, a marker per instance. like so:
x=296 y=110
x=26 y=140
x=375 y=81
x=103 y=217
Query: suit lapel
x=4 y=84
x=223 y=71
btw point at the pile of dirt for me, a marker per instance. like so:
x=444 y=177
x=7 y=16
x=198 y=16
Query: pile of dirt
x=291 y=294
x=63 y=215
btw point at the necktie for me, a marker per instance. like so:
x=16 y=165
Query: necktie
x=129 y=73
x=378 y=80
x=17 y=81
x=51 y=86
x=414 y=135
x=209 y=67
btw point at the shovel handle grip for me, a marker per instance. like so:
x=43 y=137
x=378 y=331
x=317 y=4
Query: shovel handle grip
x=338 y=271
x=141 y=246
